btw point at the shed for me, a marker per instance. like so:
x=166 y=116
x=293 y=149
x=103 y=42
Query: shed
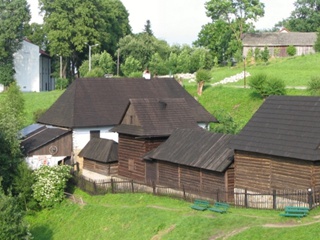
x=279 y=147
x=101 y=156
x=278 y=42
x=193 y=159
x=146 y=124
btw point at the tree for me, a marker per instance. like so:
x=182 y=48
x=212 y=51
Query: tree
x=265 y=55
x=11 y=119
x=130 y=66
x=305 y=17
x=237 y=13
x=226 y=124
x=314 y=86
x=202 y=76
x=317 y=43
x=14 y=17
x=12 y=224
x=291 y=50
x=36 y=34
x=72 y=25
x=147 y=28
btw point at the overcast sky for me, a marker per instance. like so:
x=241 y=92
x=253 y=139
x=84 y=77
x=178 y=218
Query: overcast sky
x=180 y=21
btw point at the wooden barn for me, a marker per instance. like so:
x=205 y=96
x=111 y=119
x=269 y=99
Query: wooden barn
x=146 y=124
x=279 y=147
x=100 y=156
x=193 y=159
x=44 y=145
x=278 y=42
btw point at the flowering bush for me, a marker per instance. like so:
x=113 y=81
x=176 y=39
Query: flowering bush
x=50 y=183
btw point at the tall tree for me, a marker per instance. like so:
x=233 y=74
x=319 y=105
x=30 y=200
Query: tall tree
x=305 y=17
x=147 y=28
x=14 y=16
x=72 y=25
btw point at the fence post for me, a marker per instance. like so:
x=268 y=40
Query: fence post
x=132 y=188
x=274 y=199
x=184 y=192
x=95 y=187
x=310 y=198
x=112 y=186
x=218 y=195
x=77 y=166
x=246 y=198
x=154 y=188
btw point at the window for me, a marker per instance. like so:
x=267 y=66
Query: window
x=94 y=134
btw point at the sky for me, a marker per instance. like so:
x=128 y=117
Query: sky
x=180 y=21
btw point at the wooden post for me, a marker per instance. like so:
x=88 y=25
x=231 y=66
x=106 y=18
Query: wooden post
x=112 y=186
x=132 y=187
x=154 y=188
x=184 y=192
x=246 y=198
x=218 y=195
x=310 y=198
x=274 y=199
x=95 y=187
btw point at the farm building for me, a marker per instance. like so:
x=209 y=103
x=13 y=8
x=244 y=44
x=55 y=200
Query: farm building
x=146 y=124
x=278 y=42
x=196 y=160
x=100 y=156
x=279 y=147
x=92 y=106
x=33 y=69
x=44 y=145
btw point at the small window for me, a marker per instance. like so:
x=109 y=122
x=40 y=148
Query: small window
x=94 y=134
x=131 y=165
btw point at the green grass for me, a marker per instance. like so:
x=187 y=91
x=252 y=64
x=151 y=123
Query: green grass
x=144 y=216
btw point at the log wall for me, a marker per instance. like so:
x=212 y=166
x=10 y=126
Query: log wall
x=101 y=168
x=258 y=172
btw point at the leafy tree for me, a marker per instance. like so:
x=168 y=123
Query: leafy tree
x=72 y=25
x=147 y=28
x=237 y=13
x=36 y=34
x=183 y=62
x=106 y=63
x=101 y=64
x=305 y=17
x=314 y=86
x=14 y=16
x=291 y=50
x=12 y=224
x=172 y=63
x=157 y=65
x=130 y=66
x=202 y=76
x=265 y=55
x=11 y=119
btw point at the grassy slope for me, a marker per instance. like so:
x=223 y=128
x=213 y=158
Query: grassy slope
x=143 y=216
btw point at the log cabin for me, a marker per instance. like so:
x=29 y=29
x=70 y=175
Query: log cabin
x=195 y=160
x=278 y=149
x=93 y=106
x=100 y=156
x=146 y=124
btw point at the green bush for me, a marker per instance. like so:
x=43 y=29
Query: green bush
x=267 y=86
x=291 y=50
x=258 y=82
x=314 y=86
x=61 y=83
x=203 y=75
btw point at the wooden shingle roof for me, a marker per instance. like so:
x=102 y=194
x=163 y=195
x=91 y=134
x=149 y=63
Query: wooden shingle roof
x=156 y=117
x=102 y=101
x=196 y=148
x=286 y=126
x=279 y=39
x=39 y=138
x=100 y=150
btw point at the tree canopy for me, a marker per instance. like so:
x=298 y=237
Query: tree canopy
x=14 y=16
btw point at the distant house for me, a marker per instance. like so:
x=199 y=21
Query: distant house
x=100 y=156
x=91 y=107
x=44 y=145
x=146 y=124
x=33 y=69
x=278 y=42
x=196 y=160
x=279 y=147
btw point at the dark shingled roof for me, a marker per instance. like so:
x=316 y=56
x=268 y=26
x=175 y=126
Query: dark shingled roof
x=41 y=138
x=158 y=117
x=196 y=148
x=279 y=39
x=100 y=150
x=103 y=101
x=283 y=126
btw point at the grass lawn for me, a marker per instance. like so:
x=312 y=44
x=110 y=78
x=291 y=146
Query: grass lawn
x=144 y=216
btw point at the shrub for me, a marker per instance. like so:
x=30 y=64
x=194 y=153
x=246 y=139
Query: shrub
x=265 y=55
x=257 y=82
x=226 y=124
x=61 y=83
x=49 y=185
x=314 y=86
x=291 y=50
x=267 y=86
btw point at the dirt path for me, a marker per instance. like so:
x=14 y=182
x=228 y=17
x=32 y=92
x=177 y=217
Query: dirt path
x=163 y=232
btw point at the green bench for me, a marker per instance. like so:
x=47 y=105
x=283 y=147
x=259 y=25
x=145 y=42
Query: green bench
x=220 y=207
x=298 y=212
x=200 y=205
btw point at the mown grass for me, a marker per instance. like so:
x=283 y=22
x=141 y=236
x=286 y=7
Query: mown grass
x=144 y=216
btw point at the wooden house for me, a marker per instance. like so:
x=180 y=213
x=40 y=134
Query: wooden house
x=279 y=147
x=193 y=159
x=146 y=124
x=100 y=156
x=278 y=42
x=44 y=145
x=90 y=107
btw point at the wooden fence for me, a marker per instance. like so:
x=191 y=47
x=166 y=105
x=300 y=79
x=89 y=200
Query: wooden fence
x=276 y=199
